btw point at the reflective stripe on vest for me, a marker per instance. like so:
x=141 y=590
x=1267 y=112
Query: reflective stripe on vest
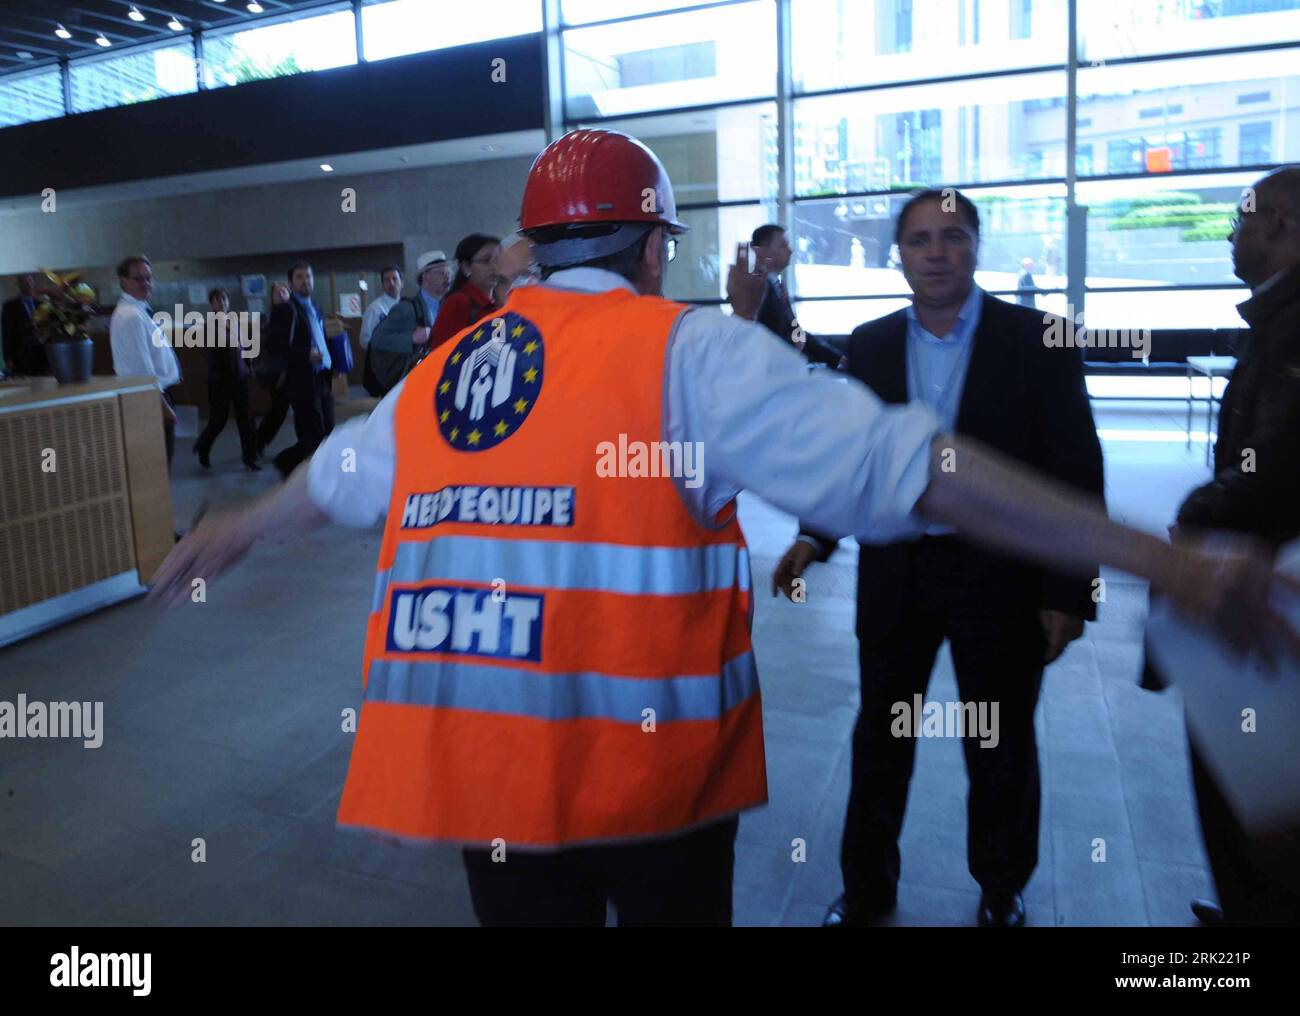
x=520 y=692
x=607 y=567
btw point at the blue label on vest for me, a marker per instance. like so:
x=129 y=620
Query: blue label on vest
x=491 y=506
x=489 y=383
x=438 y=618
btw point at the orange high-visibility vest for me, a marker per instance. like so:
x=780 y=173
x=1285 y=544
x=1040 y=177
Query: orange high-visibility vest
x=555 y=655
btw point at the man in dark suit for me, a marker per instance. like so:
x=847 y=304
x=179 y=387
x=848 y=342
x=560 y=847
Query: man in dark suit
x=228 y=376
x=985 y=368
x=296 y=335
x=18 y=336
x=772 y=249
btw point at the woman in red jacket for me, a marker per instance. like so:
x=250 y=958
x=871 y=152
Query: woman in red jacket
x=470 y=297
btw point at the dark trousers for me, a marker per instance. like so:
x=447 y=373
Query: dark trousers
x=223 y=393
x=997 y=650
x=684 y=880
x=1248 y=894
x=274 y=418
x=312 y=399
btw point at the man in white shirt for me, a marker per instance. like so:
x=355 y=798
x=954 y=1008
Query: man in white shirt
x=140 y=347
x=391 y=279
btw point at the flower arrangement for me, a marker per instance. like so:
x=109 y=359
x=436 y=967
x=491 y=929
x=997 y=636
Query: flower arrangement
x=65 y=311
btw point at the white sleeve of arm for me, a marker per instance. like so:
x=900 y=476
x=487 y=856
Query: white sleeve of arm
x=820 y=446
x=350 y=477
x=371 y=318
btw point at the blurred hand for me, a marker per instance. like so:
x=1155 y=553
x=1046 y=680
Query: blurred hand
x=1224 y=581
x=212 y=547
x=745 y=287
x=420 y=336
x=1059 y=630
x=316 y=358
x=515 y=261
x=792 y=566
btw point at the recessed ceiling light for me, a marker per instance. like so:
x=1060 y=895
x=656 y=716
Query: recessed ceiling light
x=326 y=167
x=175 y=24
x=24 y=55
x=490 y=148
x=62 y=32
x=254 y=7
x=134 y=13
x=102 y=39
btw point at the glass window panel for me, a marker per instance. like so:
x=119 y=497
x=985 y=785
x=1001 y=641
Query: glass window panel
x=840 y=317
x=289 y=47
x=1159 y=231
x=133 y=77
x=1172 y=308
x=31 y=97
x=1122 y=28
x=689 y=59
x=845 y=246
x=1202 y=113
x=842 y=43
x=699 y=272
x=717 y=155
x=578 y=12
x=928 y=135
x=399 y=27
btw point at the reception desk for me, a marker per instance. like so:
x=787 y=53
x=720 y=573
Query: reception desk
x=85 y=499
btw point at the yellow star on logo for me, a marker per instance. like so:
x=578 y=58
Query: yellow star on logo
x=530 y=375
x=455 y=357
x=500 y=428
x=474 y=436
x=530 y=347
x=516 y=331
x=478 y=335
x=445 y=387
x=520 y=405
x=442 y=418
x=455 y=433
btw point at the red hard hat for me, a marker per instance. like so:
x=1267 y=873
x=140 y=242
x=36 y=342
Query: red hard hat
x=595 y=176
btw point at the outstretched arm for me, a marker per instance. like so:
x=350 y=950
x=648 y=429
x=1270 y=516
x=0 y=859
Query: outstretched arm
x=225 y=537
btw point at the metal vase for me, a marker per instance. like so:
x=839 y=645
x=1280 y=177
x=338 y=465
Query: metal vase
x=71 y=362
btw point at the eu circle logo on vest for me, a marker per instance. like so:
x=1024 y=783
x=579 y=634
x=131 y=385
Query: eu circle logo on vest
x=490 y=383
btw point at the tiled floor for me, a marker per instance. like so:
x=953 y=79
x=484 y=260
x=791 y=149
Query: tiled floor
x=223 y=725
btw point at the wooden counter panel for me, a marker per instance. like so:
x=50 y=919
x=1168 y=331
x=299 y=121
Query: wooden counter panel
x=147 y=480
x=64 y=510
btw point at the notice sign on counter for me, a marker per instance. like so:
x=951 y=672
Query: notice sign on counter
x=349 y=305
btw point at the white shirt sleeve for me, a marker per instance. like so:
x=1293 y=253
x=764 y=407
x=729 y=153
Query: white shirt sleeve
x=357 y=496
x=375 y=313
x=822 y=447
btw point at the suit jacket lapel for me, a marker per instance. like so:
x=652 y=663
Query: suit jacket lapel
x=884 y=366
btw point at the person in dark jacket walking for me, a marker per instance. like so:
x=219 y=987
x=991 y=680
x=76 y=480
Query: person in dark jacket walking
x=228 y=376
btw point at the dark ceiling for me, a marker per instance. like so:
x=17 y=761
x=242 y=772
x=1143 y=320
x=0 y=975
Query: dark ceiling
x=28 y=25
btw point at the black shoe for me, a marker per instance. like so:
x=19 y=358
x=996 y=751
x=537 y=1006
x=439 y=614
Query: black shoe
x=1001 y=910
x=1209 y=914
x=204 y=461
x=840 y=915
